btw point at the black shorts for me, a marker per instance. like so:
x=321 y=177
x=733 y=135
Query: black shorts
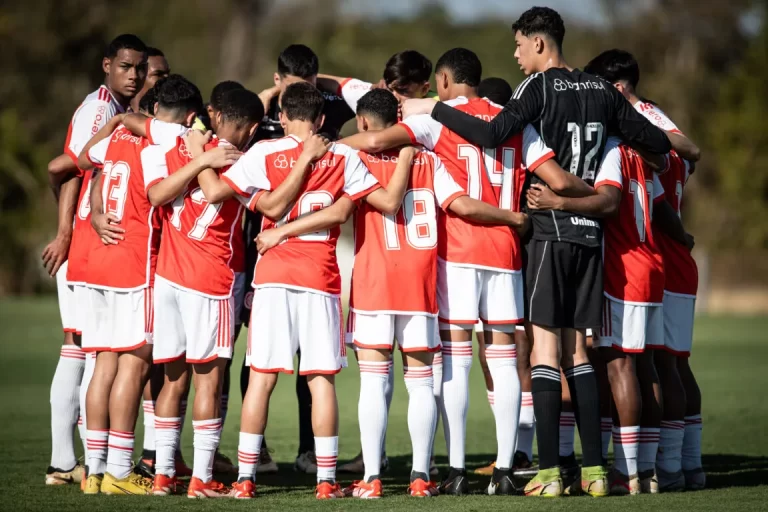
x=251 y=228
x=564 y=285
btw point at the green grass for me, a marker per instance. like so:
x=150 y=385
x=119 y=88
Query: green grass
x=730 y=360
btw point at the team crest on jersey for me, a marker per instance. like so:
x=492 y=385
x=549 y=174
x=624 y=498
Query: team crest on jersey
x=281 y=162
x=184 y=151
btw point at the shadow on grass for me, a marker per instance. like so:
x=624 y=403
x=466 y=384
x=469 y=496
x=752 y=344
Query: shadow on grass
x=735 y=470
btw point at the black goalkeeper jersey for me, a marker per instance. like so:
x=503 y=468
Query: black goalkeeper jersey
x=573 y=112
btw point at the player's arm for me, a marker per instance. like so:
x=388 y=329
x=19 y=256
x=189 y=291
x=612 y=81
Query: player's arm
x=58 y=170
x=665 y=219
x=327 y=218
x=483 y=213
x=604 y=203
x=105 y=224
x=56 y=252
x=136 y=123
x=388 y=200
x=376 y=142
x=329 y=83
x=267 y=95
x=658 y=163
x=83 y=161
x=561 y=182
x=684 y=146
x=635 y=129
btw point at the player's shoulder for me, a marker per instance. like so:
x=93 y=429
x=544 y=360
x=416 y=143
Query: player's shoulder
x=101 y=97
x=268 y=146
x=461 y=103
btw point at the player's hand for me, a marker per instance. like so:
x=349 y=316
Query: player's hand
x=408 y=153
x=222 y=156
x=540 y=197
x=523 y=228
x=107 y=227
x=315 y=147
x=195 y=140
x=267 y=95
x=690 y=242
x=268 y=239
x=414 y=107
x=56 y=253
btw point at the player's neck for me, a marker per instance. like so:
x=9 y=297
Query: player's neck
x=463 y=90
x=554 y=60
x=122 y=100
x=299 y=129
x=632 y=98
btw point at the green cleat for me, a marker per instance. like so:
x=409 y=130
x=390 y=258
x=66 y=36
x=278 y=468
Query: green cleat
x=547 y=483
x=594 y=481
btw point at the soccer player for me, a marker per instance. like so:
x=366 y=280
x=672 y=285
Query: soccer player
x=478 y=266
x=124 y=70
x=157 y=68
x=680 y=392
x=122 y=308
x=573 y=113
x=495 y=89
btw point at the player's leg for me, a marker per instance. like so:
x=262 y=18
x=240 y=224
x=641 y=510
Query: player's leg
x=604 y=388
x=146 y=464
x=650 y=421
x=168 y=420
x=567 y=426
x=480 y=335
x=695 y=478
x=526 y=427
x=669 y=467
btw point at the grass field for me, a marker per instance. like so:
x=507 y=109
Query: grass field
x=730 y=360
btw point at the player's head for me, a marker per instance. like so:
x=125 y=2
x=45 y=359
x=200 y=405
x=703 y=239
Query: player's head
x=125 y=66
x=302 y=102
x=457 y=67
x=407 y=74
x=539 y=34
x=618 y=67
x=495 y=89
x=297 y=63
x=147 y=103
x=376 y=110
x=238 y=115
x=218 y=92
x=178 y=100
x=157 y=67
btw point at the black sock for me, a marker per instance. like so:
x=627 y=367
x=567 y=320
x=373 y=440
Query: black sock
x=582 y=383
x=546 y=391
x=306 y=436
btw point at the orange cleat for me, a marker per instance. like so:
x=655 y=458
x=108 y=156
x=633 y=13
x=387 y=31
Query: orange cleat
x=365 y=490
x=164 y=485
x=422 y=489
x=244 y=490
x=328 y=491
x=213 y=489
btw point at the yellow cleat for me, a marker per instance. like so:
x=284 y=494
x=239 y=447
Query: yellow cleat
x=54 y=476
x=547 y=484
x=92 y=484
x=594 y=481
x=133 y=484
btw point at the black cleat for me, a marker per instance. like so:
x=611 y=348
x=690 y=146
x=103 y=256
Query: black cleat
x=145 y=468
x=501 y=483
x=455 y=483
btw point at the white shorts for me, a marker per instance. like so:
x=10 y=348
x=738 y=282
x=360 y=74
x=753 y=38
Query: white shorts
x=238 y=293
x=285 y=321
x=630 y=327
x=67 y=304
x=466 y=294
x=82 y=307
x=188 y=323
x=679 y=311
x=414 y=333
x=118 y=321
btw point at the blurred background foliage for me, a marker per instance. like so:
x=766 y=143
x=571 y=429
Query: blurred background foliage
x=704 y=62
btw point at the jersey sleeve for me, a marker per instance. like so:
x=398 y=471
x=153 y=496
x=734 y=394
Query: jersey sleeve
x=446 y=188
x=154 y=165
x=88 y=120
x=352 y=89
x=248 y=176
x=162 y=133
x=535 y=151
x=656 y=116
x=610 y=166
x=358 y=181
x=658 y=189
x=97 y=155
x=635 y=129
x=423 y=130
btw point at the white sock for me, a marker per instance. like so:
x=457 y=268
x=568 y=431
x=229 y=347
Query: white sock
x=372 y=413
x=457 y=361
x=502 y=362
x=326 y=452
x=422 y=415
x=692 y=443
x=97 y=441
x=437 y=377
x=207 y=434
x=167 y=432
x=224 y=408
x=669 y=457
x=646 y=452
x=65 y=406
x=149 y=424
x=489 y=394
x=389 y=392
x=526 y=427
x=606 y=430
x=567 y=432
x=119 y=456
x=248 y=455
x=90 y=365
x=626 y=441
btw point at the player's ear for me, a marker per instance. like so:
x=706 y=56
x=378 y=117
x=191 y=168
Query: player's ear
x=105 y=63
x=424 y=90
x=539 y=44
x=190 y=118
x=155 y=108
x=361 y=124
x=218 y=118
x=276 y=78
x=320 y=122
x=252 y=129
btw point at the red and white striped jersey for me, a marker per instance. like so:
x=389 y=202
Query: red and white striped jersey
x=486 y=174
x=199 y=241
x=92 y=114
x=395 y=268
x=307 y=262
x=633 y=268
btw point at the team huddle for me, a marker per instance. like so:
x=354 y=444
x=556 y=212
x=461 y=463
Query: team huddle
x=545 y=223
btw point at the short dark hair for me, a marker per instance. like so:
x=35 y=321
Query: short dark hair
x=154 y=52
x=379 y=103
x=541 y=20
x=463 y=64
x=241 y=107
x=495 y=89
x=147 y=102
x=178 y=94
x=406 y=68
x=222 y=88
x=298 y=60
x=301 y=101
x=124 y=42
x=615 y=65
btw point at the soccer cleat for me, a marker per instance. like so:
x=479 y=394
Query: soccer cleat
x=522 y=466
x=546 y=484
x=649 y=483
x=55 y=476
x=365 y=490
x=306 y=463
x=133 y=484
x=92 y=484
x=485 y=470
x=213 y=489
x=695 y=479
x=164 y=485
x=266 y=463
x=182 y=470
x=623 y=485
x=422 y=487
x=145 y=468
x=570 y=473
x=223 y=464
x=326 y=490
x=455 y=483
x=243 y=489
x=670 y=482
x=501 y=483
x=356 y=465
x=594 y=481
x=433 y=471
